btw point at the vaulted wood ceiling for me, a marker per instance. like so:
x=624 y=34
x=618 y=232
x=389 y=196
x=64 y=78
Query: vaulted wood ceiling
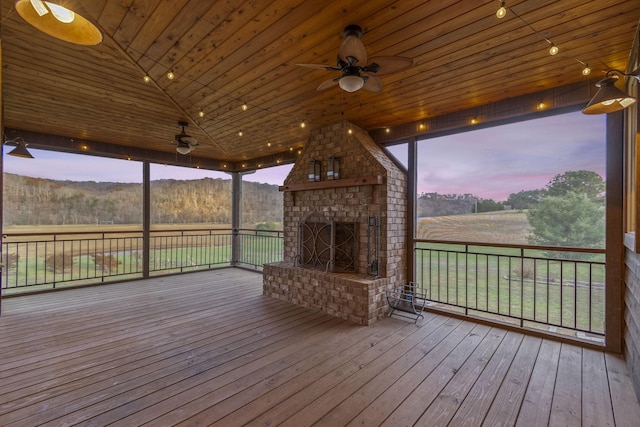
x=226 y=53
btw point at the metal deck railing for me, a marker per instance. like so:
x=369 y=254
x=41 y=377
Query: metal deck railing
x=37 y=261
x=553 y=289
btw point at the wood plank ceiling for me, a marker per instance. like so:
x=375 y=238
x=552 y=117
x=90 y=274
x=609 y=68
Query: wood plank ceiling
x=227 y=53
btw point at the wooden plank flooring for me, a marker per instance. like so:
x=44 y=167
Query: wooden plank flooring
x=209 y=349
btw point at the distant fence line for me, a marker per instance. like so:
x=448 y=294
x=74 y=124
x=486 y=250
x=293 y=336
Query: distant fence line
x=35 y=261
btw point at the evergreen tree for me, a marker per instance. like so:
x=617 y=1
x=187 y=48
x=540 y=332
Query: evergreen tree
x=569 y=220
x=587 y=182
x=572 y=214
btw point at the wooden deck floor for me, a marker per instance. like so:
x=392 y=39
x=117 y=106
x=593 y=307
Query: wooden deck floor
x=209 y=349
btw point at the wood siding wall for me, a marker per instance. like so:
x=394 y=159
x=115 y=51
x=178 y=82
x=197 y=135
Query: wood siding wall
x=632 y=312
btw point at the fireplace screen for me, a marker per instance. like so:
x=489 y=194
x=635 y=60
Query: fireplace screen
x=331 y=246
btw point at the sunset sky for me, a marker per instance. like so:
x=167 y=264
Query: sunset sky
x=494 y=162
x=490 y=163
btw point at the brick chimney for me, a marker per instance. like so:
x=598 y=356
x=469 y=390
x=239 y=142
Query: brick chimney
x=369 y=201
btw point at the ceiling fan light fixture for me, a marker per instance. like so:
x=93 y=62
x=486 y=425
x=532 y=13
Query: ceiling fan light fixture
x=184 y=143
x=357 y=72
x=351 y=83
x=609 y=98
x=183 y=149
x=59 y=21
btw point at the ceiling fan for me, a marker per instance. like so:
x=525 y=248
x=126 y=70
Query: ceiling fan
x=356 y=72
x=184 y=143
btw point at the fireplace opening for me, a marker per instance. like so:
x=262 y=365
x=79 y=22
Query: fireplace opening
x=328 y=245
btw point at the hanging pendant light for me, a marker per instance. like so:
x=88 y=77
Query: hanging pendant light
x=59 y=21
x=609 y=98
x=20 y=150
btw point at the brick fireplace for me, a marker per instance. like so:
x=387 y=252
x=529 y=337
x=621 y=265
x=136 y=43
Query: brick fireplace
x=345 y=238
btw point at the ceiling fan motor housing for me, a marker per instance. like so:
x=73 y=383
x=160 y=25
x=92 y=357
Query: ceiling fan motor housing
x=352 y=30
x=182 y=134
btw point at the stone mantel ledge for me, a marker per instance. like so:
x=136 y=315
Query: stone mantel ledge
x=338 y=183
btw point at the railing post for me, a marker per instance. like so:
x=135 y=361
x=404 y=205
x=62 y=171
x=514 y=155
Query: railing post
x=521 y=287
x=466 y=280
x=411 y=208
x=236 y=201
x=146 y=218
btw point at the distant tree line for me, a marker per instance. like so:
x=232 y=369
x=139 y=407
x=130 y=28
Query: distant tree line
x=37 y=201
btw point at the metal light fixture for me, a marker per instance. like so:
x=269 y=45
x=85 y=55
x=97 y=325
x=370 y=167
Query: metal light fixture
x=183 y=148
x=333 y=168
x=314 y=170
x=609 y=98
x=21 y=148
x=59 y=21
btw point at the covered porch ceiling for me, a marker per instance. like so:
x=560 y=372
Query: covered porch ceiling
x=226 y=54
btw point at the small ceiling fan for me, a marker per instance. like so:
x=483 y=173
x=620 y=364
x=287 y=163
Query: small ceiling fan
x=356 y=72
x=184 y=143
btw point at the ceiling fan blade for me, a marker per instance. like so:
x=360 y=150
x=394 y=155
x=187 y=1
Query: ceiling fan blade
x=352 y=47
x=372 y=84
x=327 y=84
x=189 y=140
x=388 y=64
x=318 y=66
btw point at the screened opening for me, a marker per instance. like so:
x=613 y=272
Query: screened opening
x=537 y=182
